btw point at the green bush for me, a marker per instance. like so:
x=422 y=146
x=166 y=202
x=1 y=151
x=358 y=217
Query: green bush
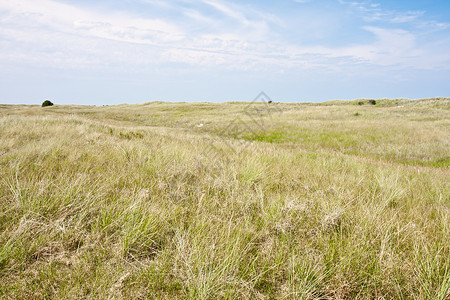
x=47 y=103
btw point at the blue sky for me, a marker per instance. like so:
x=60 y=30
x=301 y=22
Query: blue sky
x=133 y=51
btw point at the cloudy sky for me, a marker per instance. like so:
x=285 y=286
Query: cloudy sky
x=132 y=51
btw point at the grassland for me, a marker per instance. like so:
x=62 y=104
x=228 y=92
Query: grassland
x=226 y=201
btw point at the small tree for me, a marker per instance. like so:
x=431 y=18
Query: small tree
x=47 y=103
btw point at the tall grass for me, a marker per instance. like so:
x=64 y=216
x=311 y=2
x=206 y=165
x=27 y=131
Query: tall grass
x=124 y=202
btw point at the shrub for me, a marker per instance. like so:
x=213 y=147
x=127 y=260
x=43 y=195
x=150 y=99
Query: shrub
x=371 y=101
x=47 y=103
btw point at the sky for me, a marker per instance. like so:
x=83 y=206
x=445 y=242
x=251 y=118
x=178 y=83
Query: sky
x=103 y=52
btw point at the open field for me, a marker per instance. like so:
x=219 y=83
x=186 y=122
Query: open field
x=226 y=201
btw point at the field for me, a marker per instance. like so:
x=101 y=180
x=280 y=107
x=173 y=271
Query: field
x=336 y=200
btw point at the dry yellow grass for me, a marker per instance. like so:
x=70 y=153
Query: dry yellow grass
x=168 y=201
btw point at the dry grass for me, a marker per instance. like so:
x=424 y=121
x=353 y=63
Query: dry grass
x=334 y=200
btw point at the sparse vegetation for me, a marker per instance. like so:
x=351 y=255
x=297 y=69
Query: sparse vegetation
x=369 y=101
x=131 y=134
x=127 y=202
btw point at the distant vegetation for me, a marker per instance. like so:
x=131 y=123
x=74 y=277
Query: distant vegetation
x=47 y=103
x=159 y=200
x=371 y=102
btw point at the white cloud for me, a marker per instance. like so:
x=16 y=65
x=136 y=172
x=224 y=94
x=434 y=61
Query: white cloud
x=409 y=16
x=70 y=19
x=228 y=11
x=50 y=33
x=61 y=30
x=375 y=12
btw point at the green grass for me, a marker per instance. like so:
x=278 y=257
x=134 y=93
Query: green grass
x=142 y=201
